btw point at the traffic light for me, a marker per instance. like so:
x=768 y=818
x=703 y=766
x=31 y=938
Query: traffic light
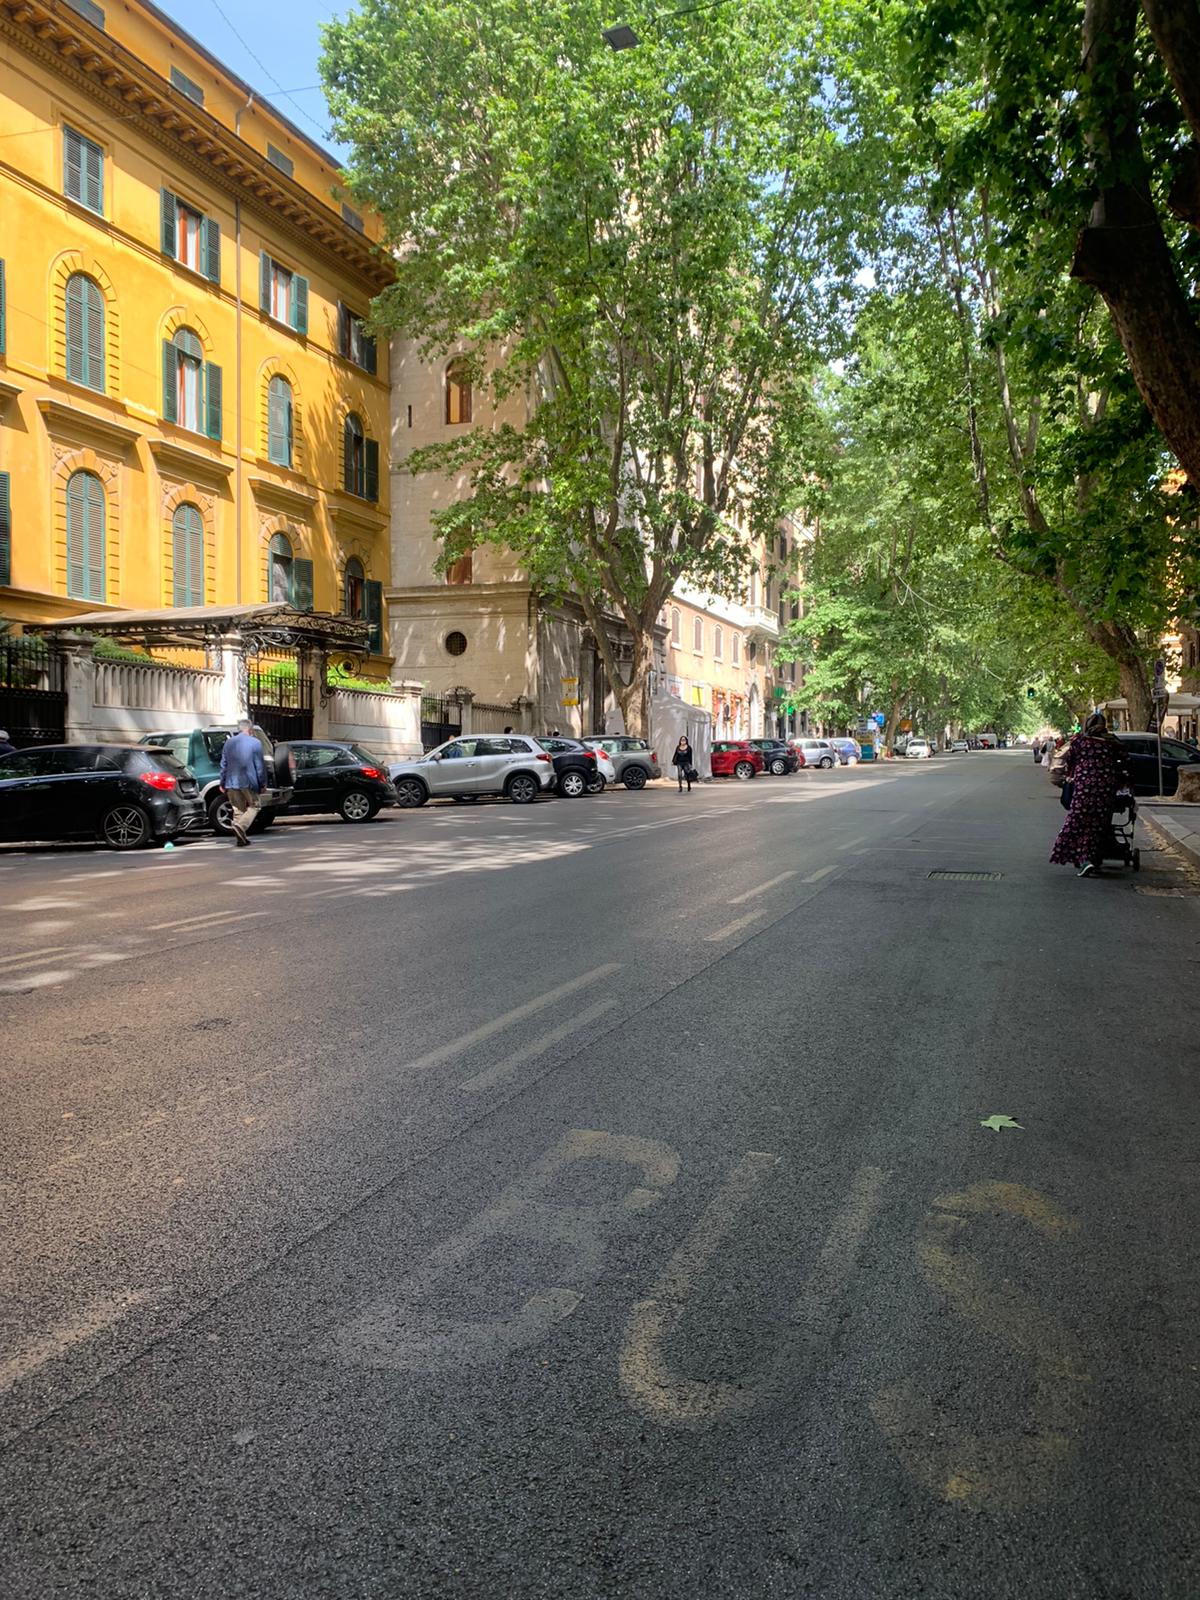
x=1031 y=694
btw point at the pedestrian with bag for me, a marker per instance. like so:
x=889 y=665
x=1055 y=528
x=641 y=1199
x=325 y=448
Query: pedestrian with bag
x=684 y=762
x=1095 y=769
x=243 y=778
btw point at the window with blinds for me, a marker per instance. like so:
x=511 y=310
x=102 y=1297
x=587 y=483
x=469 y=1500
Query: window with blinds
x=354 y=342
x=280 y=440
x=83 y=170
x=187 y=556
x=189 y=237
x=361 y=461
x=85 y=332
x=85 y=536
x=282 y=293
x=5 y=530
x=191 y=386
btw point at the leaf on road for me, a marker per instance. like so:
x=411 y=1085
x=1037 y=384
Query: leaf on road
x=996 y=1122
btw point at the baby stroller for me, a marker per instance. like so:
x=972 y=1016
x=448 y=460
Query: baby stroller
x=1120 y=845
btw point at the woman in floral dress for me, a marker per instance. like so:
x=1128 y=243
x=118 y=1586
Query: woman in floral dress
x=1095 y=769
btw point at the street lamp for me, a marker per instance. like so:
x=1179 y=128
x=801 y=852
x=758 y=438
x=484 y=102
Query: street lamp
x=622 y=37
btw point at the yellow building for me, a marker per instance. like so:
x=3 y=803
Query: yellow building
x=190 y=410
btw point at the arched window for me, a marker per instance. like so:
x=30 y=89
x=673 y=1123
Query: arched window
x=675 y=625
x=280 y=586
x=718 y=643
x=354 y=590
x=189 y=368
x=356 y=456
x=698 y=635
x=458 y=391
x=187 y=557
x=85 y=536
x=279 y=422
x=85 y=332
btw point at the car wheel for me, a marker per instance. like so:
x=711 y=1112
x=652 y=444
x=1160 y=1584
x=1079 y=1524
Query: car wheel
x=521 y=789
x=220 y=815
x=825 y=761
x=634 y=777
x=744 y=770
x=125 y=827
x=410 y=793
x=598 y=784
x=572 y=785
x=355 y=806
x=778 y=768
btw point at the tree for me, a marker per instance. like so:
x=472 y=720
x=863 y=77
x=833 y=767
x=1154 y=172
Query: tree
x=653 y=246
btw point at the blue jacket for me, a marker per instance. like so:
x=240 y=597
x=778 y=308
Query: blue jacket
x=242 y=764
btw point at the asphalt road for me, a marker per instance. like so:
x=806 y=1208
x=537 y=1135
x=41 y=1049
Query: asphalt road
x=591 y=1199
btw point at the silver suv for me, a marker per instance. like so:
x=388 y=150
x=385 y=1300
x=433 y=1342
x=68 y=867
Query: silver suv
x=464 y=768
x=816 y=752
x=633 y=759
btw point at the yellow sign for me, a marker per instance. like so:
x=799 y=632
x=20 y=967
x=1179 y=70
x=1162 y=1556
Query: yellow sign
x=568 y=702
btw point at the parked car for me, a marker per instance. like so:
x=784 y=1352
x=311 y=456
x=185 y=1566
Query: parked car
x=1141 y=751
x=576 y=767
x=918 y=750
x=736 y=758
x=634 y=762
x=200 y=750
x=607 y=770
x=123 y=795
x=960 y=747
x=512 y=765
x=816 y=752
x=848 y=751
x=778 y=756
x=335 y=776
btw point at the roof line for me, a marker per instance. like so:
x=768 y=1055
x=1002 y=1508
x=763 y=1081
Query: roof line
x=259 y=98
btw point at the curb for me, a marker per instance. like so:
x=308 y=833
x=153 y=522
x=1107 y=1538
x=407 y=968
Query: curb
x=1172 y=835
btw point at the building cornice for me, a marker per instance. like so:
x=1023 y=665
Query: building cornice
x=131 y=90
x=281 y=497
x=358 y=516
x=9 y=393
x=190 y=466
x=68 y=422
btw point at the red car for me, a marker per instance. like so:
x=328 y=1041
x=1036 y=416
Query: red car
x=736 y=758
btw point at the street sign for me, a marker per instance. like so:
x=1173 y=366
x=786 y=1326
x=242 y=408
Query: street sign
x=878 y=718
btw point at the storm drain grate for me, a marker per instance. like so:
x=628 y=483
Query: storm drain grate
x=966 y=877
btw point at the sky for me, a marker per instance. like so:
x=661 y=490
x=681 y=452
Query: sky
x=282 y=35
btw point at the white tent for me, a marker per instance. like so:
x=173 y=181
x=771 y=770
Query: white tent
x=668 y=719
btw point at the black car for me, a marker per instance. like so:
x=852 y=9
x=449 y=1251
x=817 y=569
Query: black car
x=335 y=776
x=576 y=770
x=122 y=795
x=778 y=756
x=1141 y=751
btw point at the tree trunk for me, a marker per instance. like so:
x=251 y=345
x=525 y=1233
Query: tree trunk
x=1122 y=252
x=889 y=733
x=1135 y=686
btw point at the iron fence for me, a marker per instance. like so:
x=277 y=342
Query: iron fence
x=441 y=719
x=33 y=699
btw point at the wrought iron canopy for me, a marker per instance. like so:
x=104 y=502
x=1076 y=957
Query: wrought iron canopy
x=195 y=627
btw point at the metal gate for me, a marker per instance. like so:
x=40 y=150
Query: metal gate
x=280 y=698
x=33 y=700
x=441 y=719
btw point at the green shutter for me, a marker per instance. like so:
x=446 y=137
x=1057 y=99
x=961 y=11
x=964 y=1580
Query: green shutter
x=210 y=249
x=374 y=609
x=279 y=422
x=72 y=164
x=371 y=452
x=85 y=537
x=343 y=329
x=348 y=437
x=299 y=305
x=170 y=382
x=370 y=355
x=168 y=213
x=93 y=176
x=85 y=332
x=94 y=335
x=5 y=531
x=264 y=281
x=187 y=550
x=76 y=358
x=302 y=584
x=212 y=401
x=3 y=313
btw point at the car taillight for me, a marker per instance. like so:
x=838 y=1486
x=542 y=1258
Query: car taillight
x=158 y=780
x=654 y=755
x=371 y=772
x=591 y=755
x=544 y=757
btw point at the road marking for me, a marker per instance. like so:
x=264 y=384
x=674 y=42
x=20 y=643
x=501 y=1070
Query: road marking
x=649 y=1383
x=850 y=843
x=103 y=1314
x=538 y=1047
x=530 y=1008
x=762 y=888
x=35 y=955
x=209 y=920
x=35 y=980
x=731 y=928
x=1008 y=1472
x=821 y=872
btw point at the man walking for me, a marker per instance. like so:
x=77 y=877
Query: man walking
x=243 y=777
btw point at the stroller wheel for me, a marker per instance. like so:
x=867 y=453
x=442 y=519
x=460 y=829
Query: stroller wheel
x=1137 y=860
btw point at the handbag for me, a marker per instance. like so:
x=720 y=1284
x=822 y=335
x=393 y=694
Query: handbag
x=691 y=774
x=1065 y=793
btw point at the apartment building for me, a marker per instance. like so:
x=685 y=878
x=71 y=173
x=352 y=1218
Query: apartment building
x=191 y=410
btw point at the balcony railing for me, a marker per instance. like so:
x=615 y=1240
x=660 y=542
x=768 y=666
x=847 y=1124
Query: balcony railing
x=763 y=623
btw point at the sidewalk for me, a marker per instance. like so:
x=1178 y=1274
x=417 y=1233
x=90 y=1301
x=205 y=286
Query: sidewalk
x=1179 y=821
